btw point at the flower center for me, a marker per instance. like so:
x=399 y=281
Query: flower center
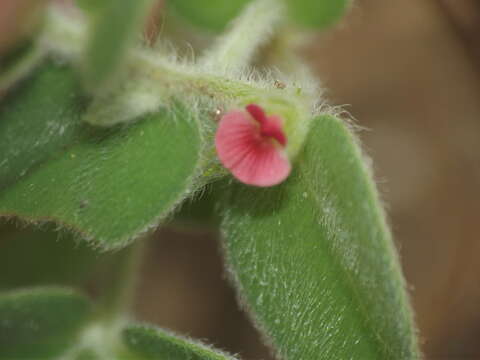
x=271 y=127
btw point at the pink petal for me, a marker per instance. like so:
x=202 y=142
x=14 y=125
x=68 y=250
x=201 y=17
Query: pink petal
x=252 y=157
x=270 y=126
x=257 y=113
x=273 y=128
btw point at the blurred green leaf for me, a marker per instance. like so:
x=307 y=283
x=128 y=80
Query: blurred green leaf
x=314 y=260
x=91 y=6
x=90 y=354
x=209 y=14
x=317 y=13
x=30 y=256
x=39 y=323
x=199 y=212
x=149 y=343
x=115 y=25
x=109 y=185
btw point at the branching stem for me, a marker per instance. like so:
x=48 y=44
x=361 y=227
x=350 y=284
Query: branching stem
x=221 y=80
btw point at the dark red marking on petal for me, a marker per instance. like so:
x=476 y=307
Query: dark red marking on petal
x=245 y=147
x=257 y=113
x=273 y=128
x=270 y=126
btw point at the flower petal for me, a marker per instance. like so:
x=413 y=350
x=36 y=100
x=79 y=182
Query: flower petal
x=252 y=158
x=265 y=166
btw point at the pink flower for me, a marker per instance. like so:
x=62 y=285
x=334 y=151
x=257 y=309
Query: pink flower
x=252 y=146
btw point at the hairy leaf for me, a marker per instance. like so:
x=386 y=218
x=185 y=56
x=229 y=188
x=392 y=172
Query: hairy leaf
x=107 y=184
x=39 y=323
x=313 y=259
x=149 y=343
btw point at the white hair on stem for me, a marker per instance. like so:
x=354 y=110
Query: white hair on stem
x=234 y=51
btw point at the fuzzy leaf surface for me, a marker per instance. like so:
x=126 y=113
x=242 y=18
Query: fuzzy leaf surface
x=39 y=323
x=109 y=185
x=314 y=261
x=150 y=343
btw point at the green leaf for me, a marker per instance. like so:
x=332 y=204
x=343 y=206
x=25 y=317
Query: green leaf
x=199 y=212
x=39 y=323
x=313 y=258
x=91 y=6
x=109 y=185
x=317 y=13
x=209 y=14
x=113 y=31
x=149 y=343
x=32 y=257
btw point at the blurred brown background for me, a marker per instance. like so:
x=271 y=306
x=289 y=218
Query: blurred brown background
x=408 y=71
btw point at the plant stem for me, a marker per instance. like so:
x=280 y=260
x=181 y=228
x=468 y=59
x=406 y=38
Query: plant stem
x=22 y=67
x=234 y=50
x=153 y=80
x=118 y=298
x=66 y=36
x=100 y=338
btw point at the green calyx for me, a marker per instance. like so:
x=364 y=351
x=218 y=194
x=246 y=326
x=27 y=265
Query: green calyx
x=293 y=110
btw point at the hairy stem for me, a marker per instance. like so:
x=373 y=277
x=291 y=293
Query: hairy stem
x=66 y=36
x=153 y=80
x=234 y=50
